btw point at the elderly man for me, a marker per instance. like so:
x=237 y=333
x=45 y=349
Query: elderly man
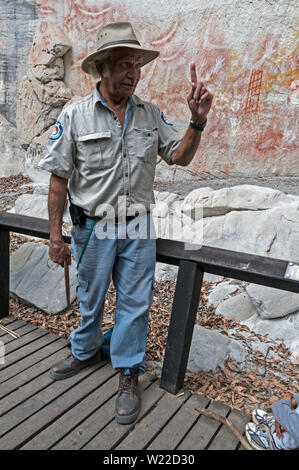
x=106 y=146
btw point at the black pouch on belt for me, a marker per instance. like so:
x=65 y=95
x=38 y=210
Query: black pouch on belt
x=77 y=214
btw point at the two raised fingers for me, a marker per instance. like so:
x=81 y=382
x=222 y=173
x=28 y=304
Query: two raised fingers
x=198 y=91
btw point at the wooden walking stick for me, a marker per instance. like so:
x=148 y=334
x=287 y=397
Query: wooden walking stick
x=67 y=283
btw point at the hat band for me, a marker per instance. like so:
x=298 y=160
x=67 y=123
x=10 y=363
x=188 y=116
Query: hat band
x=121 y=41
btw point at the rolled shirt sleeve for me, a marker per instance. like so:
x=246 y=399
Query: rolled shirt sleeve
x=169 y=138
x=59 y=154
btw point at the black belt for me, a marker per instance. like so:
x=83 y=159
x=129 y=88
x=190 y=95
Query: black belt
x=117 y=220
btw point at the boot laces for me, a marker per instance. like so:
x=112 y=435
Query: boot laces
x=127 y=384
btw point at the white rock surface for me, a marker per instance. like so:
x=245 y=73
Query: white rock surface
x=237 y=198
x=273 y=232
x=32 y=281
x=238 y=308
x=165 y=272
x=221 y=292
x=272 y=303
x=210 y=349
x=212 y=278
x=12 y=155
x=36 y=205
x=286 y=329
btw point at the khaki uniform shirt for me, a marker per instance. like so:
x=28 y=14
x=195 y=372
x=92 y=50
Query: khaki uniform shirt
x=104 y=161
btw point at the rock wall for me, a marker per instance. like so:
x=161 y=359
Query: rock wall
x=246 y=52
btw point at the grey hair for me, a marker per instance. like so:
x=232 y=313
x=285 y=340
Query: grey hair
x=103 y=63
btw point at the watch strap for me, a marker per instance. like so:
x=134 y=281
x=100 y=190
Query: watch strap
x=198 y=127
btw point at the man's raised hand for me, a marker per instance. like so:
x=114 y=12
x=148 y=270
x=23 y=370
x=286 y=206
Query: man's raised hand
x=199 y=99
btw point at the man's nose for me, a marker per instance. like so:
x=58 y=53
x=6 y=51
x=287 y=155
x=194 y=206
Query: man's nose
x=134 y=72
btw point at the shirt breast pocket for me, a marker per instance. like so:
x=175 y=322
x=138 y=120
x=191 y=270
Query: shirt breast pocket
x=144 y=143
x=96 y=149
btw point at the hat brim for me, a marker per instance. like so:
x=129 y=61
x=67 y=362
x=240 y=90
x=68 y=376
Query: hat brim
x=87 y=64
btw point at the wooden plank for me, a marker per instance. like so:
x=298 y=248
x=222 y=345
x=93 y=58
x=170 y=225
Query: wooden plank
x=24 y=340
x=44 y=347
x=204 y=430
x=56 y=431
x=174 y=431
x=55 y=350
x=9 y=319
x=4 y=273
x=23 y=330
x=185 y=304
x=236 y=265
x=22 y=353
x=50 y=404
x=29 y=388
x=12 y=325
x=26 y=225
x=95 y=423
x=113 y=433
x=225 y=439
x=151 y=425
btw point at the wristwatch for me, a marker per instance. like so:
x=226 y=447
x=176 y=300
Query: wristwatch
x=198 y=127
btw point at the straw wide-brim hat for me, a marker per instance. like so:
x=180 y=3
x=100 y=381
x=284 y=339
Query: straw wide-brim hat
x=111 y=36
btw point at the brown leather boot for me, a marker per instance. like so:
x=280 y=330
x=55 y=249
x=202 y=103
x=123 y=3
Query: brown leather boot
x=128 y=402
x=71 y=365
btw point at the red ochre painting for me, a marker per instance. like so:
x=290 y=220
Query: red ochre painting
x=254 y=119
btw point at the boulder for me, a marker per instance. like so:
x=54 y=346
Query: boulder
x=32 y=281
x=272 y=303
x=236 y=198
x=285 y=329
x=210 y=349
x=272 y=232
x=177 y=226
x=213 y=278
x=163 y=203
x=221 y=292
x=36 y=205
x=238 y=308
x=165 y=272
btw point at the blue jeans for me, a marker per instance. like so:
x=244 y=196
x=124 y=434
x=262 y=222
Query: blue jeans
x=130 y=263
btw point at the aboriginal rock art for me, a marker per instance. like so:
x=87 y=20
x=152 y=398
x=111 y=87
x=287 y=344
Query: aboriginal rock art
x=42 y=92
x=247 y=61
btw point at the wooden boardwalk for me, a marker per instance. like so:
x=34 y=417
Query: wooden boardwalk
x=38 y=413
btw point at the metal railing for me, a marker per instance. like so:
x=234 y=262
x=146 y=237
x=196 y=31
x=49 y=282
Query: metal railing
x=271 y=272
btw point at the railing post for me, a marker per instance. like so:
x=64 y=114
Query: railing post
x=4 y=273
x=184 y=309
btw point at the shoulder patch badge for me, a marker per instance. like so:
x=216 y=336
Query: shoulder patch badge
x=57 y=131
x=165 y=120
